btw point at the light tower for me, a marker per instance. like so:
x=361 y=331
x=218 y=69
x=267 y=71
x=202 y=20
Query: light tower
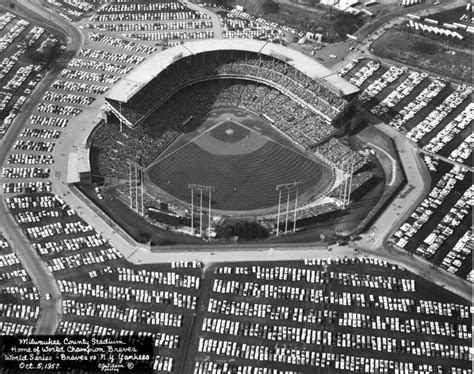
x=139 y=172
x=288 y=187
x=201 y=188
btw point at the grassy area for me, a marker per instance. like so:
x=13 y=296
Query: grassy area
x=422 y=52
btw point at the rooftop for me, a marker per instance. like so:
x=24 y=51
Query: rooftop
x=131 y=83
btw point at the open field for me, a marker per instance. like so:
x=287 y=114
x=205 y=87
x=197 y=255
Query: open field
x=244 y=171
x=423 y=53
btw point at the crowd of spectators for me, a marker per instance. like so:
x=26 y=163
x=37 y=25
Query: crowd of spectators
x=340 y=155
x=112 y=150
x=210 y=64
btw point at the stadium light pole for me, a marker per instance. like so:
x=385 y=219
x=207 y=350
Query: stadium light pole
x=287 y=208
x=350 y=184
x=142 y=179
x=120 y=118
x=278 y=188
x=136 y=188
x=296 y=205
x=288 y=186
x=192 y=210
x=130 y=183
x=200 y=188
x=200 y=216
x=209 y=216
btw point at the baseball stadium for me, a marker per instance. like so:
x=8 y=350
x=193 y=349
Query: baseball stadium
x=240 y=128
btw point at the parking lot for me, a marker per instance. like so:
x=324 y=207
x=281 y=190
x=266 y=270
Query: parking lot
x=432 y=112
x=19 y=299
x=20 y=71
x=314 y=316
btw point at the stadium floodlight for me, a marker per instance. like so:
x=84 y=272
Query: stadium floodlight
x=201 y=188
x=139 y=172
x=288 y=187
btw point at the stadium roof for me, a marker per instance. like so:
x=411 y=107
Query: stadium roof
x=131 y=83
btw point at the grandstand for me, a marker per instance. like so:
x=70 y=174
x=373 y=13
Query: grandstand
x=172 y=94
x=144 y=89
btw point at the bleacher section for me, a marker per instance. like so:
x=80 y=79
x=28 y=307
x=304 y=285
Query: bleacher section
x=112 y=150
x=277 y=73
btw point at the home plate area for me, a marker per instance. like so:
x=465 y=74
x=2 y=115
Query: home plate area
x=231 y=138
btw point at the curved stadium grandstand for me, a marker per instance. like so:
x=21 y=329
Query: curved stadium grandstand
x=241 y=116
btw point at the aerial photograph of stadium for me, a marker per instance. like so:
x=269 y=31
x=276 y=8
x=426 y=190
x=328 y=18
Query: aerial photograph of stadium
x=236 y=186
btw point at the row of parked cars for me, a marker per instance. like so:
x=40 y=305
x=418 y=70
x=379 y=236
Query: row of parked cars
x=378 y=85
x=364 y=73
x=32 y=132
x=113 y=57
x=148 y=27
x=101 y=66
x=153 y=277
x=89 y=76
x=26 y=187
x=61 y=110
x=397 y=95
x=14 y=32
x=129 y=294
x=121 y=43
x=122 y=314
x=449 y=132
x=426 y=210
x=36 y=172
x=206 y=367
x=421 y=101
x=87 y=88
x=405 y=325
x=172 y=35
x=446 y=227
x=68 y=98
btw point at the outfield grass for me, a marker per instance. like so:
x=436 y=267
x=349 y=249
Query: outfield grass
x=421 y=52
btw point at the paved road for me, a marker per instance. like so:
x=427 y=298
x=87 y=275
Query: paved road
x=447 y=160
x=216 y=23
x=41 y=276
x=45 y=282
